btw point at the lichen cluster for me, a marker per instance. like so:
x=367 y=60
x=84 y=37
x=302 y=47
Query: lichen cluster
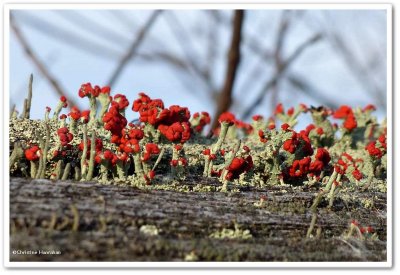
x=169 y=143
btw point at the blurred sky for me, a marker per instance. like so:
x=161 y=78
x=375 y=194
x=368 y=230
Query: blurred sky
x=110 y=34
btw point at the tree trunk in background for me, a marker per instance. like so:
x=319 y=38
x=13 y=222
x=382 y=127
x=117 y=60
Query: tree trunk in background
x=225 y=96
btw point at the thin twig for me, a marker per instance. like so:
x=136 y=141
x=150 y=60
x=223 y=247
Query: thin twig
x=362 y=74
x=125 y=21
x=306 y=88
x=38 y=63
x=272 y=82
x=252 y=41
x=68 y=37
x=185 y=76
x=187 y=47
x=212 y=46
x=225 y=96
x=90 y=24
x=134 y=47
x=281 y=37
x=278 y=58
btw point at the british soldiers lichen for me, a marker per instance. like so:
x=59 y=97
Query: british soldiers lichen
x=168 y=144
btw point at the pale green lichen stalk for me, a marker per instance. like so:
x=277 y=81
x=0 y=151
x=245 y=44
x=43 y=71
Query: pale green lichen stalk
x=276 y=154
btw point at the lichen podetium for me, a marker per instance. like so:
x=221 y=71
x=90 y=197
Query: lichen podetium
x=102 y=146
x=342 y=151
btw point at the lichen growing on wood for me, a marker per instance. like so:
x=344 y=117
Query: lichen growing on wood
x=106 y=148
x=342 y=151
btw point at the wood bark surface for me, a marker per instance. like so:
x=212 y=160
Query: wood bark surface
x=86 y=221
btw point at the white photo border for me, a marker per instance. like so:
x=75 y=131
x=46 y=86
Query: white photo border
x=182 y=6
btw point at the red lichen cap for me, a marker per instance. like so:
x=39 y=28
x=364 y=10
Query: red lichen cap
x=122 y=101
x=152 y=111
x=262 y=136
x=75 y=114
x=178 y=147
x=303 y=107
x=342 y=112
x=64 y=135
x=203 y=121
x=106 y=90
x=323 y=155
x=257 y=117
x=140 y=102
x=63 y=99
x=178 y=114
x=290 y=145
x=357 y=174
x=85 y=116
x=182 y=161
x=350 y=123
x=382 y=140
x=227 y=117
x=238 y=166
x=271 y=126
x=114 y=121
x=177 y=132
x=290 y=111
x=136 y=133
x=369 y=107
x=32 y=153
x=150 y=149
x=373 y=150
x=285 y=126
x=152 y=174
x=85 y=90
x=279 y=109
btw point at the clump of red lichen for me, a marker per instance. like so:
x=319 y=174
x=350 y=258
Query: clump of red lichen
x=169 y=140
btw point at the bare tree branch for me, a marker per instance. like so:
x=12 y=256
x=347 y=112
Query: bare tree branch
x=134 y=47
x=38 y=63
x=225 y=96
x=280 y=40
x=252 y=42
x=123 y=19
x=68 y=37
x=166 y=57
x=272 y=82
x=78 y=19
x=278 y=58
x=187 y=47
x=184 y=76
x=359 y=71
x=212 y=45
x=306 y=88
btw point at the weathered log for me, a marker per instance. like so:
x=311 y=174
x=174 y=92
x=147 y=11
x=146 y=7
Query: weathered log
x=85 y=221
